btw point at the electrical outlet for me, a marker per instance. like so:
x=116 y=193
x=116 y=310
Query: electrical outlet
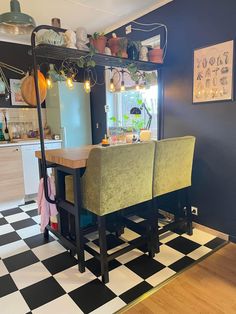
x=128 y=29
x=194 y=210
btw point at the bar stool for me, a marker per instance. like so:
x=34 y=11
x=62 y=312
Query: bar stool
x=116 y=178
x=173 y=171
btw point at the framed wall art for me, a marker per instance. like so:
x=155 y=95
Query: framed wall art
x=16 y=97
x=213 y=73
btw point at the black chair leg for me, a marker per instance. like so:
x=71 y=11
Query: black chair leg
x=153 y=236
x=103 y=248
x=188 y=213
x=46 y=234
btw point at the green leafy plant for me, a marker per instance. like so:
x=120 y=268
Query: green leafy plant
x=87 y=61
x=97 y=35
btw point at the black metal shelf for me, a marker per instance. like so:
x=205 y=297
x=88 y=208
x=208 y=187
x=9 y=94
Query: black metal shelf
x=62 y=53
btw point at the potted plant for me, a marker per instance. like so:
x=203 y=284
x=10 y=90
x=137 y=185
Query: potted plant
x=98 y=41
x=133 y=49
x=155 y=55
x=123 y=43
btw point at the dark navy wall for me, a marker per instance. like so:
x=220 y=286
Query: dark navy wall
x=194 y=24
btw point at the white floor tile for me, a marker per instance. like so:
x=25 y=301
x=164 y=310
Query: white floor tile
x=161 y=276
x=48 y=250
x=136 y=219
x=27 y=207
x=29 y=231
x=13 y=248
x=37 y=219
x=168 y=236
x=199 y=236
x=6 y=229
x=122 y=279
x=71 y=278
x=3 y=269
x=16 y=217
x=129 y=235
x=167 y=255
x=200 y=252
x=62 y=305
x=110 y=307
x=127 y=257
x=13 y=303
x=29 y=275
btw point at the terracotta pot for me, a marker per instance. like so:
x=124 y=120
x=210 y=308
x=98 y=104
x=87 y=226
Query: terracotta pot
x=113 y=44
x=156 y=55
x=99 y=44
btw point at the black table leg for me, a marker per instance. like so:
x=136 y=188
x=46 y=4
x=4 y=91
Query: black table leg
x=78 y=228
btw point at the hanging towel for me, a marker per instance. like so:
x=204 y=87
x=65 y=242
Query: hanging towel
x=46 y=209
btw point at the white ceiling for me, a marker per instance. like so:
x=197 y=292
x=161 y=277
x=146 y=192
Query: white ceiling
x=94 y=15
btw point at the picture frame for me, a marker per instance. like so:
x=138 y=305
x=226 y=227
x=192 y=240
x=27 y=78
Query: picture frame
x=213 y=73
x=16 y=97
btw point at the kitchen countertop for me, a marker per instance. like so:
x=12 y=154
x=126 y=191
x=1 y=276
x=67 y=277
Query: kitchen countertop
x=22 y=142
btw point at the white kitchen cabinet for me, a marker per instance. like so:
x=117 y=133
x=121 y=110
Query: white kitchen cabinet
x=11 y=174
x=30 y=165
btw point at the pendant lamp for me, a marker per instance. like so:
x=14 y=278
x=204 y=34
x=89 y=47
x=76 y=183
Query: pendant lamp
x=15 y=22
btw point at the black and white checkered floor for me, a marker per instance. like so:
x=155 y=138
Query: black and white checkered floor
x=41 y=277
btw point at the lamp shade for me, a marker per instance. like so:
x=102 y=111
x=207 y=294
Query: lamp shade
x=15 y=22
x=135 y=110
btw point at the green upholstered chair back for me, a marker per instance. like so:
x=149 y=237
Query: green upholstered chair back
x=173 y=164
x=116 y=177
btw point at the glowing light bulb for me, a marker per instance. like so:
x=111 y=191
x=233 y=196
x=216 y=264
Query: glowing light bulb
x=87 y=86
x=122 y=87
x=137 y=87
x=69 y=82
x=49 y=82
x=112 y=86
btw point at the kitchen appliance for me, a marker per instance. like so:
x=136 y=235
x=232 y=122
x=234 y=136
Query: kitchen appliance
x=68 y=114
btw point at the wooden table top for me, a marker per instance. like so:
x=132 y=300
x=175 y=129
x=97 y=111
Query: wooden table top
x=69 y=157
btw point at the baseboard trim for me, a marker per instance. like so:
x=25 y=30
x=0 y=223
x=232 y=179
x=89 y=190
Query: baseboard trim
x=214 y=232
x=232 y=238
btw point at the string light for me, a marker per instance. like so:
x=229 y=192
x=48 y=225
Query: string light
x=49 y=82
x=87 y=86
x=112 y=86
x=122 y=86
x=69 y=82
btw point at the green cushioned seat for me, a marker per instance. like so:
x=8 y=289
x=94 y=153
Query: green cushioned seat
x=173 y=164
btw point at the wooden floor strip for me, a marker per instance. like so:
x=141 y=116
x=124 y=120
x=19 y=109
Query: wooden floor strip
x=207 y=287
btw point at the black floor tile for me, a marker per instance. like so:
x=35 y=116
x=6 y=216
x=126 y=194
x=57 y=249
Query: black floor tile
x=9 y=237
x=92 y=295
x=112 y=241
x=42 y=292
x=94 y=266
x=213 y=244
x=37 y=240
x=32 y=213
x=12 y=211
x=59 y=262
x=3 y=221
x=181 y=264
x=183 y=245
x=144 y=266
x=21 y=260
x=135 y=292
x=7 y=286
x=29 y=202
x=23 y=224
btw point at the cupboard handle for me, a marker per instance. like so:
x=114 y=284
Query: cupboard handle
x=17 y=149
